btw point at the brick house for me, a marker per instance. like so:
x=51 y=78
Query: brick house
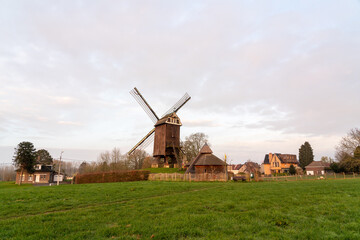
x=279 y=163
x=317 y=168
x=42 y=174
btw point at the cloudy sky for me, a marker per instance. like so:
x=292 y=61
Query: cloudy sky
x=264 y=76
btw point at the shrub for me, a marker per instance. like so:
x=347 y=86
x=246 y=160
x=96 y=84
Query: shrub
x=114 y=176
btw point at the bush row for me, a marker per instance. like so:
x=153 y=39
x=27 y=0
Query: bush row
x=115 y=176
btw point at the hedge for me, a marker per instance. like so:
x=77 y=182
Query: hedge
x=114 y=176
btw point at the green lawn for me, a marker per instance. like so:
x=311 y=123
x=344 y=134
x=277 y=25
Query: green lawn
x=323 y=209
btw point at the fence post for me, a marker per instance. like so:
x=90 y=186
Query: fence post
x=334 y=175
x=353 y=174
x=344 y=175
x=189 y=177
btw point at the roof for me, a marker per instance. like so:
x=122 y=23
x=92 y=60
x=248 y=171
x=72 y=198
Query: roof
x=206 y=149
x=266 y=159
x=284 y=158
x=287 y=158
x=235 y=166
x=318 y=164
x=250 y=167
x=165 y=118
x=205 y=158
x=209 y=160
x=44 y=168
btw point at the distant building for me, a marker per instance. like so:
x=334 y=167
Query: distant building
x=317 y=168
x=207 y=163
x=234 y=168
x=42 y=174
x=249 y=167
x=279 y=163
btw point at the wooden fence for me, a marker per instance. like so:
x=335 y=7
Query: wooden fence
x=187 y=177
x=312 y=177
x=222 y=177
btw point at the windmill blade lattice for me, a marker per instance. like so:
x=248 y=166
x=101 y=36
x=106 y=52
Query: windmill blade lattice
x=144 y=142
x=142 y=102
x=178 y=105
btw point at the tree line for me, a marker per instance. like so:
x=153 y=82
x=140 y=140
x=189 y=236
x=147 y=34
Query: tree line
x=347 y=154
x=113 y=160
x=347 y=157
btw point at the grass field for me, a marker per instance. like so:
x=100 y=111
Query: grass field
x=328 y=209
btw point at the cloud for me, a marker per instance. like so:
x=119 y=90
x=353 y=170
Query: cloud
x=64 y=100
x=256 y=72
x=69 y=123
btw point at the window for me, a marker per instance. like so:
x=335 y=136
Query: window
x=169 y=120
x=23 y=177
x=42 y=177
x=30 y=177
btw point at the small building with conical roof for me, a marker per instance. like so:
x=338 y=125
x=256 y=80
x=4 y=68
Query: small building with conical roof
x=206 y=162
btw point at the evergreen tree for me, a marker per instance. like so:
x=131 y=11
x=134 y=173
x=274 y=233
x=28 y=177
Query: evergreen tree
x=43 y=157
x=357 y=153
x=292 y=170
x=351 y=164
x=306 y=155
x=25 y=158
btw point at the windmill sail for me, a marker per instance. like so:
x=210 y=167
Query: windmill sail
x=178 y=105
x=142 y=102
x=144 y=142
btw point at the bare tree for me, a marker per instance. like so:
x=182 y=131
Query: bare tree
x=192 y=145
x=326 y=159
x=136 y=159
x=116 y=155
x=348 y=144
x=7 y=173
x=147 y=162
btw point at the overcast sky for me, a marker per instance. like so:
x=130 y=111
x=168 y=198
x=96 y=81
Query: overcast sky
x=264 y=76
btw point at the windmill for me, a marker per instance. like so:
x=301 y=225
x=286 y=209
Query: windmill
x=166 y=131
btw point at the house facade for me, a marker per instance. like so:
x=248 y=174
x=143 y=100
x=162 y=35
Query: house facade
x=317 y=168
x=42 y=174
x=279 y=163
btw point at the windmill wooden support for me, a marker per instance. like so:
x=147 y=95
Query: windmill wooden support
x=165 y=134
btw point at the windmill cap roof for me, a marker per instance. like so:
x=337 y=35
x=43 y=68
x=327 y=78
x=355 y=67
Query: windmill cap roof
x=206 y=149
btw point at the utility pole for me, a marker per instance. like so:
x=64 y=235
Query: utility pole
x=58 y=175
x=226 y=171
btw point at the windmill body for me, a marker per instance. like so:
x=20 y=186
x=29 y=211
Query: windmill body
x=167 y=139
x=166 y=131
